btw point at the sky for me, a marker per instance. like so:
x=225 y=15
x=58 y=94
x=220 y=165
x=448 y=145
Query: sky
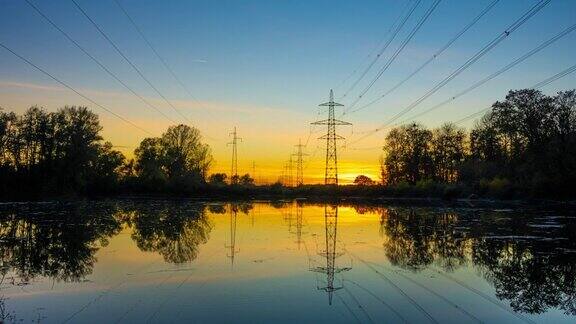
x=264 y=66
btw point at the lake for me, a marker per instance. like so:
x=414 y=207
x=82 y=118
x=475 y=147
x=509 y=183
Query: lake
x=138 y=261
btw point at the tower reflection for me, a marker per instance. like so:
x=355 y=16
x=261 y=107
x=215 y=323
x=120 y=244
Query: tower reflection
x=330 y=252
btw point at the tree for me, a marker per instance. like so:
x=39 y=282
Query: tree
x=149 y=162
x=218 y=179
x=246 y=180
x=363 y=180
x=447 y=150
x=178 y=159
x=185 y=155
x=407 y=154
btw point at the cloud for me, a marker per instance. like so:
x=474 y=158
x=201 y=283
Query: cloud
x=198 y=61
x=11 y=84
x=33 y=86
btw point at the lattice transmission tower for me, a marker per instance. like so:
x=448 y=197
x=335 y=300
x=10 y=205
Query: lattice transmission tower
x=234 y=143
x=299 y=163
x=331 y=174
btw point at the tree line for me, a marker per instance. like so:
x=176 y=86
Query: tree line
x=63 y=153
x=524 y=145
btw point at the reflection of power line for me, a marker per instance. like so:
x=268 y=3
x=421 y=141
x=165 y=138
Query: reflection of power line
x=449 y=302
x=358 y=304
x=483 y=295
x=402 y=292
x=349 y=309
x=379 y=299
x=330 y=253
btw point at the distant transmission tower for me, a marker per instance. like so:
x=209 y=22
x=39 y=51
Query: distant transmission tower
x=331 y=175
x=234 y=143
x=290 y=172
x=299 y=164
x=254 y=171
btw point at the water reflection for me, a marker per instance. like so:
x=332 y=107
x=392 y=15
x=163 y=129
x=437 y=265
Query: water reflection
x=232 y=245
x=527 y=257
x=59 y=243
x=174 y=231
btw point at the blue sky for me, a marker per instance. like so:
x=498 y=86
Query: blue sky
x=265 y=65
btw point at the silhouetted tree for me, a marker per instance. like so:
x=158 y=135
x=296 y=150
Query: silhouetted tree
x=53 y=153
x=178 y=159
x=246 y=180
x=407 y=154
x=218 y=179
x=363 y=180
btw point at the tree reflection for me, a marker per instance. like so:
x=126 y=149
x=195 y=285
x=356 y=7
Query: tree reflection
x=59 y=244
x=530 y=263
x=416 y=240
x=175 y=231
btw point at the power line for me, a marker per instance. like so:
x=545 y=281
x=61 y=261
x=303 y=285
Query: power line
x=398 y=51
x=95 y=60
x=156 y=53
x=519 y=22
x=433 y=57
x=392 y=37
x=497 y=73
x=126 y=58
x=74 y=90
x=514 y=26
x=538 y=85
x=374 y=50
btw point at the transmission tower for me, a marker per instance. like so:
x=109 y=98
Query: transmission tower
x=234 y=143
x=299 y=164
x=331 y=175
x=254 y=171
x=330 y=253
x=290 y=171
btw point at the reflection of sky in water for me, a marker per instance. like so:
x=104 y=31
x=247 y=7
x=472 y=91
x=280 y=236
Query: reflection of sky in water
x=137 y=261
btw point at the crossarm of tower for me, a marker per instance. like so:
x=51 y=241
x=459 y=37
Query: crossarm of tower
x=327 y=122
x=331 y=103
x=338 y=137
x=341 y=122
x=320 y=122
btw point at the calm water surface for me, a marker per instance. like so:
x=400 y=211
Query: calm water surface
x=169 y=261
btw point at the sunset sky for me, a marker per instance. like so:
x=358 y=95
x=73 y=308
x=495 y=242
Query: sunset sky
x=264 y=66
